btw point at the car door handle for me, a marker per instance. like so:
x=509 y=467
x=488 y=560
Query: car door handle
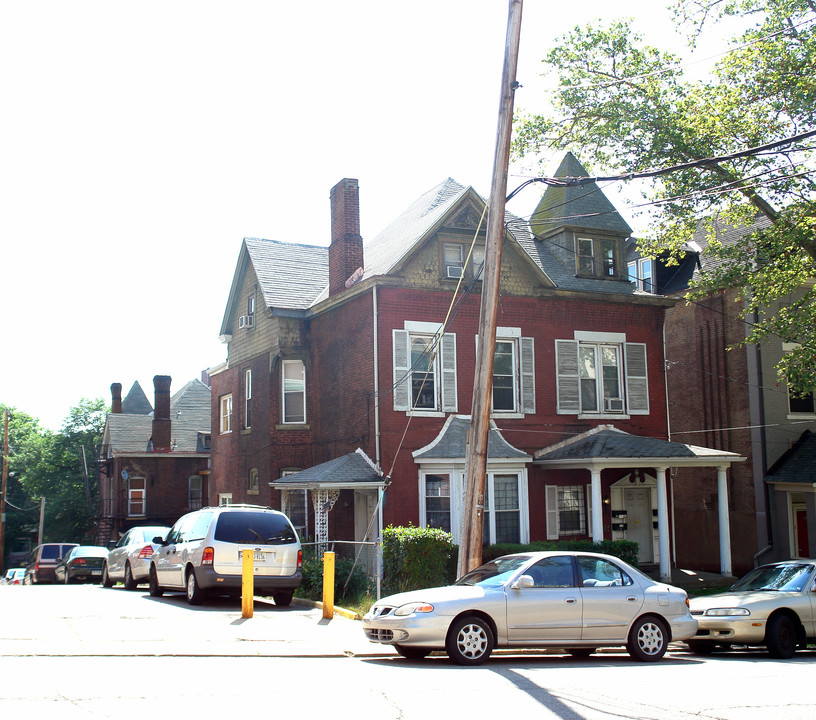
x=632 y=598
x=571 y=601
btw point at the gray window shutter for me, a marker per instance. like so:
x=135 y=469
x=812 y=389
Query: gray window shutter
x=448 y=364
x=527 y=376
x=402 y=371
x=568 y=385
x=637 y=386
x=551 y=498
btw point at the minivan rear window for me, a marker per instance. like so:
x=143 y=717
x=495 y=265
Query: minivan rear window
x=254 y=527
x=50 y=552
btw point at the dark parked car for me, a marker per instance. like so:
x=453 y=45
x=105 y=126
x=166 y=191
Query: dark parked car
x=43 y=560
x=83 y=564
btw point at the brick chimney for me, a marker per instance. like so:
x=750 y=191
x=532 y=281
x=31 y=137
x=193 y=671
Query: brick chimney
x=161 y=413
x=116 y=398
x=346 y=249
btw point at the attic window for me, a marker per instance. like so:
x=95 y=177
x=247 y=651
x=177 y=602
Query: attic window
x=597 y=257
x=455 y=261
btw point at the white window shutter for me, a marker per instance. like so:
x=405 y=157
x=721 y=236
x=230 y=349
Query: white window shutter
x=527 y=376
x=551 y=498
x=402 y=371
x=568 y=385
x=448 y=363
x=637 y=385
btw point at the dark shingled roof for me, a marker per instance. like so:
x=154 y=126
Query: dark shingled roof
x=346 y=471
x=797 y=465
x=583 y=206
x=136 y=402
x=607 y=442
x=452 y=441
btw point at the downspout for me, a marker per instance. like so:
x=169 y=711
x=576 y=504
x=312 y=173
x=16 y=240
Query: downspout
x=668 y=430
x=376 y=378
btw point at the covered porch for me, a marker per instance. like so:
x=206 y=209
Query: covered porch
x=606 y=447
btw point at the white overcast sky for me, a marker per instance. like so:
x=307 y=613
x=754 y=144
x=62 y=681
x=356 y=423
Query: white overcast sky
x=142 y=141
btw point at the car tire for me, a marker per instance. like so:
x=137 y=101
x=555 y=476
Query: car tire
x=106 y=580
x=780 y=637
x=470 y=641
x=409 y=652
x=283 y=599
x=130 y=583
x=581 y=652
x=155 y=590
x=648 y=639
x=195 y=593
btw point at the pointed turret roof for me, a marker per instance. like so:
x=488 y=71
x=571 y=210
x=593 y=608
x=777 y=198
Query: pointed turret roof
x=580 y=206
x=136 y=402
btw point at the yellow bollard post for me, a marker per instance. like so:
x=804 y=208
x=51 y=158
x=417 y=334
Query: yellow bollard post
x=247 y=584
x=328 y=585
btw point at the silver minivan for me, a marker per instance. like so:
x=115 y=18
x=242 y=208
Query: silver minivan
x=203 y=554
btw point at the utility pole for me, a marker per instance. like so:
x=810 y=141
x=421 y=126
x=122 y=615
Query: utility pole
x=3 y=489
x=470 y=545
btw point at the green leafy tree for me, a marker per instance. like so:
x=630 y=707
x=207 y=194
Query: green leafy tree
x=625 y=107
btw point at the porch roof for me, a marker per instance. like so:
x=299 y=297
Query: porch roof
x=797 y=464
x=606 y=446
x=451 y=443
x=354 y=471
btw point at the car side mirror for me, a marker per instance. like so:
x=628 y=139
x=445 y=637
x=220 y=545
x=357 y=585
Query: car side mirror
x=524 y=582
x=158 y=540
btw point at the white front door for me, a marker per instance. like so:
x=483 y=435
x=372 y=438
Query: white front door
x=638 y=504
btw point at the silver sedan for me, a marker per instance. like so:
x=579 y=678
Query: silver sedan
x=773 y=605
x=571 y=600
x=129 y=561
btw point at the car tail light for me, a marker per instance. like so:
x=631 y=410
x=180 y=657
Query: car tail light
x=146 y=552
x=79 y=561
x=300 y=558
x=207 y=557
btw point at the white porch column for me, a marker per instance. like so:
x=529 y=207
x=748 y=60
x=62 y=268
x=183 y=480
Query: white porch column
x=725 y=527
x=597 y=505
x=663 y=525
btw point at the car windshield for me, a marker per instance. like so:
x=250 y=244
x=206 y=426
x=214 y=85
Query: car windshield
x=254 y=527
x=790 y=577
x=495 y=572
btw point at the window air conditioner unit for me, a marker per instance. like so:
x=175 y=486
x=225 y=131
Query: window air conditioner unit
x=246 y=321
x=613 y=404
x=454 y=271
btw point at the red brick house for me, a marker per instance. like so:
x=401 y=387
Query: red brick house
x=372 y=348
x=728 y=396
x=154 y=461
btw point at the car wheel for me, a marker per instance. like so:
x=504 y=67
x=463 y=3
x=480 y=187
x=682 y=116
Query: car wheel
x=469 y=641
x=699 y=647
x=153 y=583
x=106 y=581
x=581 y=652
x=780 y=637
x=409 y=652
x=195 y=594
x=283 y=599
x=130 y=583
x=648 y=639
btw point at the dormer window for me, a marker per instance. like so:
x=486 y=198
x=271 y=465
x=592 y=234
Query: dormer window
x=597 y=257
x=455 y=262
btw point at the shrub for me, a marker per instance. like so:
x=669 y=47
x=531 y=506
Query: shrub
x=350 y=580
x=416 y=557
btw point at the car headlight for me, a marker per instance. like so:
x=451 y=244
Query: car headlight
x=720 y=612
x=412 y=608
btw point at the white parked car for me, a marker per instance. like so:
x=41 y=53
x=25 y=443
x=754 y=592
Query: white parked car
x=773 y=605
x=129 y=561
x=203 y=553
x=572 y=600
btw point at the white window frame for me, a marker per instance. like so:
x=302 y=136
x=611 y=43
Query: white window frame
x=247 y=398
x=225 y=414
x=469 y=266
x=633 y=380
x=288 y=393
x=523 y=373
x=224 y=499
x=638 y=276
x=192 y=491
x=444 y=369
x=596 y=258
x=553 y=495
x=137 y=496
x=456 y=471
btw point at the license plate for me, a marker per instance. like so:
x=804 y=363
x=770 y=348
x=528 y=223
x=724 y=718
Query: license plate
x=259 y=557
x=96 y=572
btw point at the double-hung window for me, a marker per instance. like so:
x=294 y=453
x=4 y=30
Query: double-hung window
x=225 y=422
x=437 y=501
x=247 y=399
x=424 y=369
x=566 y=511
x=513 y=373
x=293 y=379
x=601 y=374
x=640 y=273
x=456 y=263
x=136 y=497
x=597 y=257
x=253 y=482
x=502 y=513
